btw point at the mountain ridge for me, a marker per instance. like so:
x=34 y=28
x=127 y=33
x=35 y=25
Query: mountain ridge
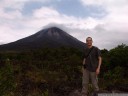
x=49 y=37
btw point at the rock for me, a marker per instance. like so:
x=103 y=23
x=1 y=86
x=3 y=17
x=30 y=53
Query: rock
x=75 y=93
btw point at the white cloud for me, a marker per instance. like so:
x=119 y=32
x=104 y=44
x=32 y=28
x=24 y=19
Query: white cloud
x=12 y=23
x=17 y=4
x=45 y=15
x=45 y=12
x=114 y=29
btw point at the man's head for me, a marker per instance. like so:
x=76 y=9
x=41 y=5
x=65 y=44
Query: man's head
x=89 y=41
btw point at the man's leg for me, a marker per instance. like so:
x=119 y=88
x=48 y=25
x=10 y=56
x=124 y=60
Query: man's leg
x=85 y=81
x=94 y=81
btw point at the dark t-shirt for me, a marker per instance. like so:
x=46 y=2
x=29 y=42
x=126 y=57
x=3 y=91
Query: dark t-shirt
x=92 y=61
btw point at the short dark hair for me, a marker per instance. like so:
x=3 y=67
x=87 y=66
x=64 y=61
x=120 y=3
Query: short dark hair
x=88 y=37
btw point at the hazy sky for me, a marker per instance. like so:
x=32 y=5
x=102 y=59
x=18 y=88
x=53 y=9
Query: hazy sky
x=106 y=21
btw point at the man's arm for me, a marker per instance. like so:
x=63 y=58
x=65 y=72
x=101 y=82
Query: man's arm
x=83 y=64
x=100 y=62
x=84 y=61
x=99 y=65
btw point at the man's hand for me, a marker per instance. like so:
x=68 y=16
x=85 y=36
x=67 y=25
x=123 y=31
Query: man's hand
x=97 y=71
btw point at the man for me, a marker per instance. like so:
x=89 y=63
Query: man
x=91 y=67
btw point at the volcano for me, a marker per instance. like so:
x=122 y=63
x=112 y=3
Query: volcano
x=49 y=37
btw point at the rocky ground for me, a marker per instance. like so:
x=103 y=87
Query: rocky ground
x=78 y=92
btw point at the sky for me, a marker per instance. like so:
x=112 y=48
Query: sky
x=106 y=21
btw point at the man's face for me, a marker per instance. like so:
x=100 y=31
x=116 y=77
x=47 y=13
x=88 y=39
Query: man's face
x=89 y=41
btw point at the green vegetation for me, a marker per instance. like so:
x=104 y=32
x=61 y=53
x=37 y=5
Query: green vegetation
x=58 y=71
x=114 y=69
